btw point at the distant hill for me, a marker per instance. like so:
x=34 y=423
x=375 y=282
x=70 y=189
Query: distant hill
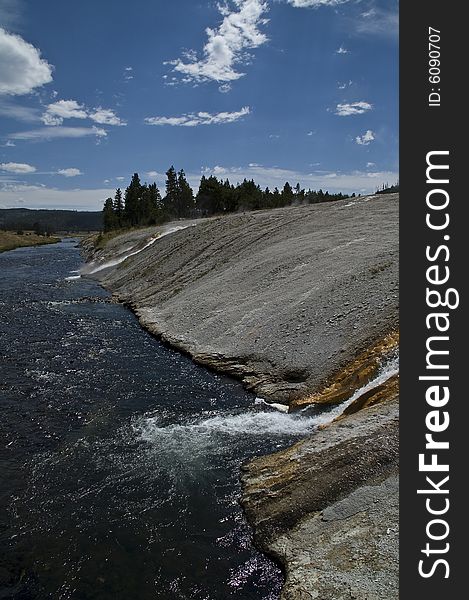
x=50 y=220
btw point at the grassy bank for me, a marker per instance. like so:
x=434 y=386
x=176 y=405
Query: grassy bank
x=9 y=240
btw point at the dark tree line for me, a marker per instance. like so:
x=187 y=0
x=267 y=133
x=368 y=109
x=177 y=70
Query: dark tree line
x=50 y=221
x=217 y=196
x=142 y=205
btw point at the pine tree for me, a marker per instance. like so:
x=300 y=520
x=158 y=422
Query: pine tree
x=109 y=218
x=230 y=198
x=185 y=197
x=287 y=194
x=151 y=205
x=209 y=199
x=276 y=198
x=118 y=206
x=172 y=188
x=132 y=199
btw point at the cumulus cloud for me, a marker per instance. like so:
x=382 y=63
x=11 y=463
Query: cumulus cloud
x=226 y=46
x=105 y=116
x=19 y=168
x=152 y=173
x=353 y=108
x=50 y=133
x=366 y=138
x=57 y=112
x=63 y=109
x=200 y=118
x=21 y=67
x=71 y=172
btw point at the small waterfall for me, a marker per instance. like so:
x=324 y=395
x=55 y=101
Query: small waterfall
x=387 y=370
x=203 y=436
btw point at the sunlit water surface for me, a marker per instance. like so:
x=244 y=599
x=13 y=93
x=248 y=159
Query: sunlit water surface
x=119 y=457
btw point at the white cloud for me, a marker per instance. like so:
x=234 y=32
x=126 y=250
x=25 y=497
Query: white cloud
x=315 y=3
x=105 y=116
x=71 y=109
x=378 y=21
x=310 y=133
x=200 y=118
x=71 y=172
x=152 y=173
x=18 y=112
x=226 y=45
x=353 y=108
x=128 y=69
x=369 y=165
x=342 y=50
x=272 y=177
x=120 y=178
x=37 y=196
x=366 y=138
x=63 y=109
x=21 y=67
x=50 y=133
x=19 y=168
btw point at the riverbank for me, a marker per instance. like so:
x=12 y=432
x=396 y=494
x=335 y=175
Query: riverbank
x=301 y=304
x=9 y=240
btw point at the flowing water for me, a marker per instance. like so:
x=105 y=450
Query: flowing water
x=119 y=457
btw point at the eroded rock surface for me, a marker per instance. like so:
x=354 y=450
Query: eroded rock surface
x=283 y=299
x=327 y=508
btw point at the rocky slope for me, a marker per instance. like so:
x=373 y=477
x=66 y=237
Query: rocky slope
x=302 y=304
x=327 y=508
x=284 y=299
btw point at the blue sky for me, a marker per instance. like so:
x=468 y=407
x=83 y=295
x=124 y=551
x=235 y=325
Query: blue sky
x=275 y=90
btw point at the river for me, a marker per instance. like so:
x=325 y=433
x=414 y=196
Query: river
x=119 y=457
